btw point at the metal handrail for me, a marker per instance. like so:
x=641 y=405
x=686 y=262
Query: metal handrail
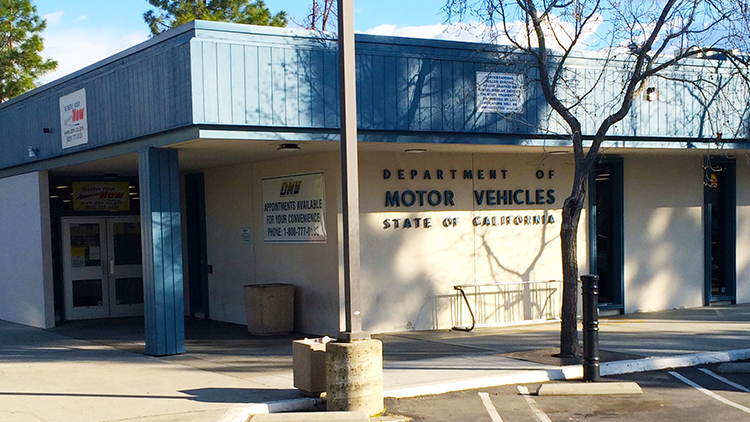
x=466 y=299
x=460 y=288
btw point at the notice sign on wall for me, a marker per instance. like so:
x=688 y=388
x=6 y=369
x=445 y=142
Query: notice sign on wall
x=500 y=92
x=73 y=119
x=294 y=208
x=101 y=196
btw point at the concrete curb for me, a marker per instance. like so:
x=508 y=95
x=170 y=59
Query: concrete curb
x=242 y=414
x=734 y=368
x=570 y=372
x=668 y=362
x=589 y=389
x=349 y=416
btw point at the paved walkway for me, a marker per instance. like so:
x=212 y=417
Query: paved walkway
x=96 y=370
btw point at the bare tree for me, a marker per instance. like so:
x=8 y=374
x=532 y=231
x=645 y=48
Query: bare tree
x=322 y=16
x=645 y=40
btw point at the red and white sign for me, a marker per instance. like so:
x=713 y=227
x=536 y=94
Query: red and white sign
x=73 y=121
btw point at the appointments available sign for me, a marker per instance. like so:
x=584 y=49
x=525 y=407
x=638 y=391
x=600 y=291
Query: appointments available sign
x=500 y=92
x=294 y=208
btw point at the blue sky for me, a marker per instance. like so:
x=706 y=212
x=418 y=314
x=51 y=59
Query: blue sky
x=81 y=32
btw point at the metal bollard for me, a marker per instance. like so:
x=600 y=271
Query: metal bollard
x=590 y=327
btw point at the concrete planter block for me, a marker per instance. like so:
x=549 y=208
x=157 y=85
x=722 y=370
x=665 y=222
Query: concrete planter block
x=354 y=376
x=309 y=362
x=270 y=308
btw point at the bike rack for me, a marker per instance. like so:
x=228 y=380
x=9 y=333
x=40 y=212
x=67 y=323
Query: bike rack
x=460 y=289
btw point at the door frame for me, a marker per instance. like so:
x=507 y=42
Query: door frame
x=134 y=270
x=730 y=231
x=618 y=246
x=106 y=270
x=197 y=245
x=88 y=312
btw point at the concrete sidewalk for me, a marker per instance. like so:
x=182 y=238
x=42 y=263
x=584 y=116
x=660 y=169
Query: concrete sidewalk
x=96 y=370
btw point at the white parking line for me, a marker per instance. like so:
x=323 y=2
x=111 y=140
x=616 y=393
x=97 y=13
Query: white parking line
x=490 y=407
x=536 y=411
x=709 y=392
x=724 y=380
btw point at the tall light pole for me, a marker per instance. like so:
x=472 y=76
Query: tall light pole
x=349 y=173
x=354 y=363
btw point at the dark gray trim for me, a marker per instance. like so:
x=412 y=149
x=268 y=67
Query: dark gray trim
x=730 y=231
x=618 y=242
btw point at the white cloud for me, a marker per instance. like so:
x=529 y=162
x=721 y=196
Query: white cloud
x=53 y=18
x=473 y=31
x=76 y=48
x=558 y=32
x=81 y=18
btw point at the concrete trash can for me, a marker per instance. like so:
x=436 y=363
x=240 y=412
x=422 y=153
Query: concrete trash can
x=270 y=308
x=309 y=364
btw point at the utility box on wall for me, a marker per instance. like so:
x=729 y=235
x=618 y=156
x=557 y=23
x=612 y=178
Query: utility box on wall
x=270 y=308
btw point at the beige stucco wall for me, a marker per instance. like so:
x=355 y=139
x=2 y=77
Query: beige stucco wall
x=234 y=201
x=663 y=199
x=26 y=251
x=409 y=273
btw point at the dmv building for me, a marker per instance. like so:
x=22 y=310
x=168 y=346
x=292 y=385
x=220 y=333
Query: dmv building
x=164 y=179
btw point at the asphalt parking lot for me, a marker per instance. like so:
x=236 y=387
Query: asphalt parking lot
x=687 y=394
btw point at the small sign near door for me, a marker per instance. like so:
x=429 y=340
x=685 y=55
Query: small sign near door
x=78 y=257
x=246 y=235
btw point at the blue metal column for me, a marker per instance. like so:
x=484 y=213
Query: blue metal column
x=162 y=251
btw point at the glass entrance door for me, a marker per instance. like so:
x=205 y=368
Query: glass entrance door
x=125 y=270
x=86 y=286
x=606 y=231
x=720 y=229
x=102 y=269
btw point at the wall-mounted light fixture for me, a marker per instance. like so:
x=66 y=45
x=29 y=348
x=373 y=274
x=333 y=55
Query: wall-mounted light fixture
x=415 y=150
x=47 y=130
x=652 y=94
x=559 y=152
x=33 y=152
x=288 y=147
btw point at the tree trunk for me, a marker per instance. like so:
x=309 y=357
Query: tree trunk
x=571 y=215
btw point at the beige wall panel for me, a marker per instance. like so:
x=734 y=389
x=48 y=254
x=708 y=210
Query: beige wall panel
x=26 y=251
x=234 y=201
x=408 y=273
x=229 y=207
x=529 y=250
x=312 y=267
x=663 y=232
x=743 y=229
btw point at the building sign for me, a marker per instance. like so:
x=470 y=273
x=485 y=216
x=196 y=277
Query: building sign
x=502 y=197
x=101 y=196
x=73 y=119
x=500 y=92
x=294 y=208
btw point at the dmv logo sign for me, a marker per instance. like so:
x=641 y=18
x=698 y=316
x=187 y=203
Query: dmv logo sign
x=290 y=188
x=73 y=119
